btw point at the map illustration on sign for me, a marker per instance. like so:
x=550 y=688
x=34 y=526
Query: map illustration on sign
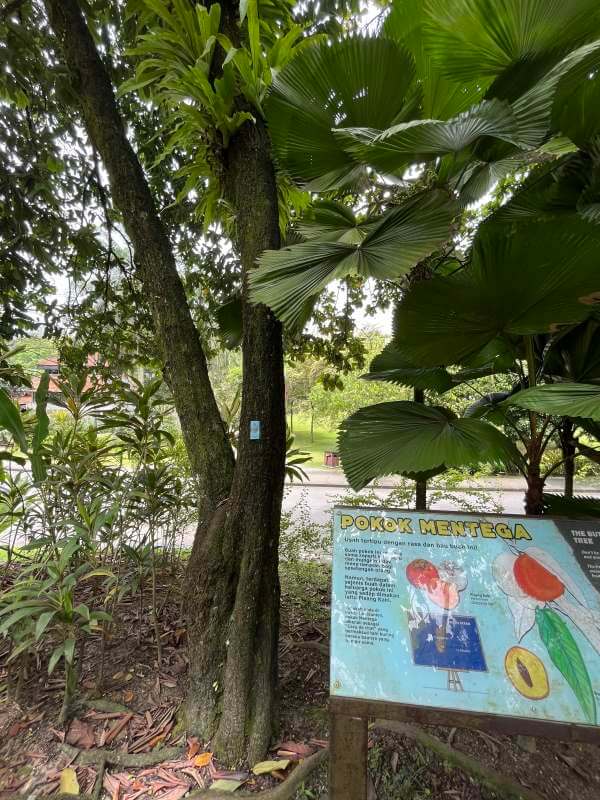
x=491 y=614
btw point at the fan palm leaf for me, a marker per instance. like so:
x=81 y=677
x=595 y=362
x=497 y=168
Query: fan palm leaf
x=406 y=438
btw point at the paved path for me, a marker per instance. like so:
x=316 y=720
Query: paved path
x=326 y=486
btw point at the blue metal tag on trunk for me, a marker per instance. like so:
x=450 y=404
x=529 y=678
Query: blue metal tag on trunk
x=255 y=429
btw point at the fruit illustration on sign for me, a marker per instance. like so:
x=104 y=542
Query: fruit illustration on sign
x=441 y=585
x=527 y=673
x=535 y=580
x=422 y=574
x=541 y=593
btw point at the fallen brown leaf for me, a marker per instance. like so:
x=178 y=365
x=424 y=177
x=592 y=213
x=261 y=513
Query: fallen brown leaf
x=80 y=734
x=193 y=746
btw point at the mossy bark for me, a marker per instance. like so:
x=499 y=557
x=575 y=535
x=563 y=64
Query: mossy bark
x=232 y=586
x=233 y=614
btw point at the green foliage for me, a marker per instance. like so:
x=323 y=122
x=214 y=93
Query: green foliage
x=566 y=657
x=294 y=457
x=561 y=273
x=291 y=279
x=352 y=83
x=411 y=438
x=574 y=507
x=561 y=399
x=30 y=351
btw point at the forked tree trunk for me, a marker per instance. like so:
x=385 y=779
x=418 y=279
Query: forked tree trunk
x=232 y=587
x=233 y=617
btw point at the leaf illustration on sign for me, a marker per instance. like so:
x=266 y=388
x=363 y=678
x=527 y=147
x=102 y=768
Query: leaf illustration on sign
x=566 y=657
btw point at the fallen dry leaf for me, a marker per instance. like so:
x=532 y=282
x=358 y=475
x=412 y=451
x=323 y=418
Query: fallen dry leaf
x=176 y=793
x=295 y=750
x=80 y=734
x=203 y=760
x=224 y=785
x=16 y=728
x=193 y=746
x=68 y=781
x=263 y=767
x=128 y=696
x=117 y=728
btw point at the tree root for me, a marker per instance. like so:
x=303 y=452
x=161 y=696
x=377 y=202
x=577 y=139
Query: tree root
x=101 y=704
x=505 y=787
x=285 y=790
x=97 y=790
x=308 y=644
x=133 y=760
x=100 y=758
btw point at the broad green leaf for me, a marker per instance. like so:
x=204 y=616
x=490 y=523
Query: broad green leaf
x=10 y=420
x=100 y=572
x=448 y=320
x=357 y=82
x=392 y=367
x=440 y=97
x=566 y=657
x=229 y=319
x=41 y=429
x=470 y=39
x=289 y=280
x=17 y=616
x=422 y=140
x=560 y=399
x=560 y=506
x=55 y=657
x=69 y=650
x=405 y=437
x=21 y=648
x=331 y=220
x=42 y=623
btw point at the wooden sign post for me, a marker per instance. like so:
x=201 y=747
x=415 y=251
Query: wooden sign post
x=486 y=622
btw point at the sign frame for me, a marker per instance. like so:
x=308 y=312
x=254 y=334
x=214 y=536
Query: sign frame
x=349 y=716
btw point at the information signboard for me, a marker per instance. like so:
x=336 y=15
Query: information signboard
x=494 y=615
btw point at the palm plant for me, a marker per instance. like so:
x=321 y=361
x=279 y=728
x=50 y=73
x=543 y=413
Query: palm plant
x=475 y=99
x=367 y=111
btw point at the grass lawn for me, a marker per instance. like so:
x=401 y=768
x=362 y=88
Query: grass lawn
x=324 y=439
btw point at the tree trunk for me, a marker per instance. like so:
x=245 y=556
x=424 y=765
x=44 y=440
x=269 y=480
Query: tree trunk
x=233 y=599
x=232 y=586
x=534 y=500
x=420 y=485
x=567 y=444
x=186 y=369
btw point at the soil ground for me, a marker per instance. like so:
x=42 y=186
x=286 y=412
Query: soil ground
x=136 y=712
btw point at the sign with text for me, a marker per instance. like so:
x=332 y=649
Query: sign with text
x=486 y=614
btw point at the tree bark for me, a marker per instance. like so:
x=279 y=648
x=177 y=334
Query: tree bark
x=232 y=585
x=185 y=364
x=234 y=617
x=534 y=495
